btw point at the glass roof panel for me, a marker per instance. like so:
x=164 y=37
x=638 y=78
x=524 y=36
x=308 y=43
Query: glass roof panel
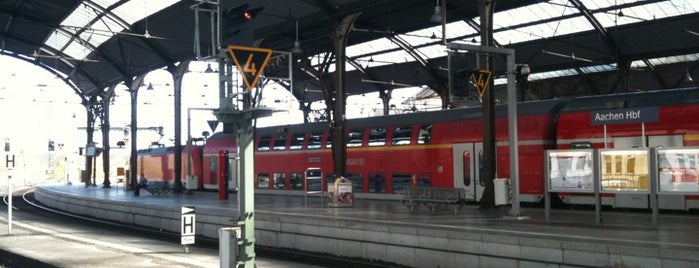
x=370 y=47
x=58 y=39
x=552 y=74
x=433 y=51
x=531 y=13
x=598 y=68
x=398 y=56
x=642 y=12
x=543 y=30
x=135 y=10
x=76 y=50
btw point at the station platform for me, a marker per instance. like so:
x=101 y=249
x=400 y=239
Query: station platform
x=388 y=231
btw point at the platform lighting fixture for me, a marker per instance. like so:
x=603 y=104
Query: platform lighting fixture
x=688 y=76
x=297 y=45
x=437 y=15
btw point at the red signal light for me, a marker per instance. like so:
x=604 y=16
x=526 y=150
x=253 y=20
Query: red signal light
x=247 y=15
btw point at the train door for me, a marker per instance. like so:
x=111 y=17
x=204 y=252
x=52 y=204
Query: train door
x=468 y=168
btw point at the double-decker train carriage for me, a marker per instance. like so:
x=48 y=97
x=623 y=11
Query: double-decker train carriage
x=388 y=154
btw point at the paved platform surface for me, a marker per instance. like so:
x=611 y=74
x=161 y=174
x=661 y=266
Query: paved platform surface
x=75 y=245
x=629 y=229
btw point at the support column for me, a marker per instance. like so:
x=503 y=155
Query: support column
x=337 y=127
x=90 y=129
x=177 y=75
x=133 y=86
x=485 y=9
x=105 y=136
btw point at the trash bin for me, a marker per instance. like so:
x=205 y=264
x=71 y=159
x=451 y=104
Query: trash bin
x=340 y=193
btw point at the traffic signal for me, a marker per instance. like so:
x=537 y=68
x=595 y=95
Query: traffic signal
x=235 y=22
x=461 y=65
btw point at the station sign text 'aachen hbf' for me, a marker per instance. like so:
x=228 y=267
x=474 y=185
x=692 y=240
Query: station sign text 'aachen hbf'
x=624 y=116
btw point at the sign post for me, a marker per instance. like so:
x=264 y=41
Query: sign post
x=188 y=227
x=10 y=165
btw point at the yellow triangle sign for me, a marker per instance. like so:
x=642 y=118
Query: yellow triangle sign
x=251 y=62
x=481 y=79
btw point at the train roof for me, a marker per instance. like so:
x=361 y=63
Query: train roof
x=157 y=150
x=524 y=108
x=633 y=99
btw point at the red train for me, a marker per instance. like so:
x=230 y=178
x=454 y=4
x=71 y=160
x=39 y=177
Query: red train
x=444 y=148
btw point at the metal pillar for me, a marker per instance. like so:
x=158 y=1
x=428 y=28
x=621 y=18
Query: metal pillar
x=177 y=74
x=485 y=9
x=90 y=129
x=105 y=136
x=337 y=127
x=511 y=117
x=133 y=172
x=235 y=109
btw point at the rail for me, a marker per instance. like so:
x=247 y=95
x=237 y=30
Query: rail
x=433 y=198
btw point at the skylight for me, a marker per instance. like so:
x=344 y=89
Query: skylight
x=95 y=27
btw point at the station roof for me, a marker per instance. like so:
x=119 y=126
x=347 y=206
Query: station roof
x=94 y=44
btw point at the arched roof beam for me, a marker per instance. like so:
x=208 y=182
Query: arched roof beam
x=408 y=49
x=49 y=69
x=107 y=12
x=611 y=44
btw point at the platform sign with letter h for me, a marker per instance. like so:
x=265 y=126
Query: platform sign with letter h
x=188 y=224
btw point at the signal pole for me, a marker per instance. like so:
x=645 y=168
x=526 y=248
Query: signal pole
x=9 y=164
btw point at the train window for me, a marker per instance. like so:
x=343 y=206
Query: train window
x=279 y=181
x=355 y=138
x=401 y=135
x=377 y=137
x=280 y=142
x=400 y=182
x=315 y=140
x=424 y=181
x=377 y=183
x=263 y=181
x=297 y=141
x=467 y=168
x=425 y=134
x=296 y=181
x=356 y=179
x=263 y=144
x=581 y=145
x=212 y=162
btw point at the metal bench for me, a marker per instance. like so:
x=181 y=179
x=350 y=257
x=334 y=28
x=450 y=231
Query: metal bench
x=157 y=187
x=434 y=198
